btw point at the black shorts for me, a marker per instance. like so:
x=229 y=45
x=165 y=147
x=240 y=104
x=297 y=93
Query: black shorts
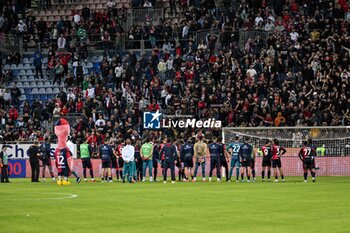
x=106 y=163
x=46 y=162
x=188 y=162
x=178 y=163
x=308 y=164
x=114 y=163
x=252 y=164
x=64 y=171
x=223 y=163
x=86 y=163
x=120 y=162
x=246 y=163
x=266 y=163
x=276 y=163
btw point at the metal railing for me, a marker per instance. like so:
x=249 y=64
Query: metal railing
x=144 y=15
x=244 y=35
x=10 y=43
x=202 y=35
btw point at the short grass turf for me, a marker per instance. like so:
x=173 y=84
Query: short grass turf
x=292 y=206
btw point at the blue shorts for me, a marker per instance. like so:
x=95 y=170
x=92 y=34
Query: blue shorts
x=235 y=162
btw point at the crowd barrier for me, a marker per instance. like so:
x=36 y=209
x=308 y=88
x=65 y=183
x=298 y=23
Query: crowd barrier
x=292 y=166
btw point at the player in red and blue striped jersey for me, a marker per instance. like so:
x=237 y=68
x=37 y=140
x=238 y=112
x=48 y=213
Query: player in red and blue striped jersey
x=266 y=161
x=277 y=152
x=307 y=155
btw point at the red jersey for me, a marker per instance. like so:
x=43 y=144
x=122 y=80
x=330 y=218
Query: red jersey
x=61 y=158
x=119 y=150
x=307 y=152
x=277 y=152
x=266 y=152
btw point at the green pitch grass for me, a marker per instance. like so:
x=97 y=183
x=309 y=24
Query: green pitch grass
x=259 y=207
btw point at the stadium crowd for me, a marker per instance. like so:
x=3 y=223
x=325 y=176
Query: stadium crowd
x=300 y=76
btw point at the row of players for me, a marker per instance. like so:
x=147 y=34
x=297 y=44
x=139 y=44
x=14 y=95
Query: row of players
x=132 y=161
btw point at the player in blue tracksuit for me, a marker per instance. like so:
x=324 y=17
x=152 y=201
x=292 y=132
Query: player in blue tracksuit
x=234 y=151
x=246 y=159
x=106 y=153
x=186 y=157
x=170 y=156
x=215 y=149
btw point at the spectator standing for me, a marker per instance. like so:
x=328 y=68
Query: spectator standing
x=37 y=62
x=4 y=165
x=61 y=43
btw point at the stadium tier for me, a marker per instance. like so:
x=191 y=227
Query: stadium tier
x=172 y=69
x=230 y=116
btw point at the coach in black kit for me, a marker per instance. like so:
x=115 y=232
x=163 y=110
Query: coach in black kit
x=170 y=156
x=34 y=155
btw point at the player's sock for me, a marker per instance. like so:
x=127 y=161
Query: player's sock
x=120 y=174
x=268 y=174
x=282 y=176
x=263 y=175
x=75 y=174
x=155 y=173
x=52 y=176
x=253 y=173
x=231 y=170
x=84 y=172
x=242 y=177
x=248 y=177
x=117 y=174
x=276 y=177
x=313 y=175
x=65 y=178
x=305 y=175
x=92 y=173
x=237 y=173
x=192 y=177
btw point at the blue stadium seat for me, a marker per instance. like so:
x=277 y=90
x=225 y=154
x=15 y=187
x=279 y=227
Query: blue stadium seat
x=25 y=84
x=22 y=72
x=55 y=90
x=31 y=78
x=29 y=72
x=23 y=78
x=27 y=66
x=49 y=90
x=32 y=84
x=39 y=84
x=35 y=91
x=23 y=98
x=20 y=66
x=42 y=91
x=25 y=60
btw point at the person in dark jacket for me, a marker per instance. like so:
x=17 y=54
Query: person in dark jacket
x=45 y=150
x=34 y=155
x=4 y=165
x=170 y=156
x=37 y=62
